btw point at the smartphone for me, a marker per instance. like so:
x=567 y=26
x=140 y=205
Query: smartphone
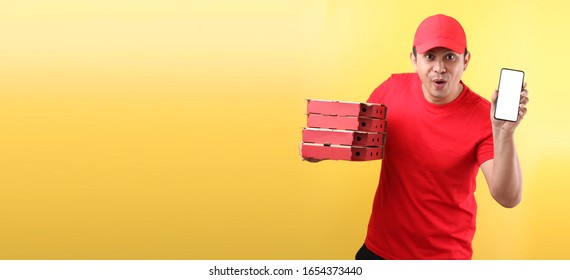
x=509 y=96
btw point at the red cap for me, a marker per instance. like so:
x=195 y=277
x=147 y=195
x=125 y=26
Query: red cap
x=440 y=31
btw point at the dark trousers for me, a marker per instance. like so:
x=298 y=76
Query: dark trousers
x=365 y=254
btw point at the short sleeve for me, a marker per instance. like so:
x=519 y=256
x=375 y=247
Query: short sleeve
x=378 y=94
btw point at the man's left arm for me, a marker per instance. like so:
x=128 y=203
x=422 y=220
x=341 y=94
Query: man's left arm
x=503 y=173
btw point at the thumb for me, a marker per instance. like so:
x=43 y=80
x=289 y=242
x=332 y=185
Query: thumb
x=494 y=98
x=493 y=101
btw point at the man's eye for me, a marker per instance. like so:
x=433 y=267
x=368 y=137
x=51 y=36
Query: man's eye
x=451 y=56
x=428 y=56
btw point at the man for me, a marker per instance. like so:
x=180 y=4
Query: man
x=439 y=134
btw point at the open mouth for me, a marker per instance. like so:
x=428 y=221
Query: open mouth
x=439 y=82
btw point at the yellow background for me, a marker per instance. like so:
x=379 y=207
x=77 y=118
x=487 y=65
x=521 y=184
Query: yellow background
x=169 y=129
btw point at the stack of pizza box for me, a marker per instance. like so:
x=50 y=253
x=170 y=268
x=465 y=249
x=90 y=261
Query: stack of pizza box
x=340 y=130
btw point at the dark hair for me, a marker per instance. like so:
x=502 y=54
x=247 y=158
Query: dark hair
x=416 y=53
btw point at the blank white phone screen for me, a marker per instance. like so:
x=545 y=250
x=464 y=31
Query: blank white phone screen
x=508 y=99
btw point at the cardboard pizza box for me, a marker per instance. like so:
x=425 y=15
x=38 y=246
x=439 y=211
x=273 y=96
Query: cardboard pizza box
x=346 y=123
x=343 y=137
x=340 y=152
x=344 y=109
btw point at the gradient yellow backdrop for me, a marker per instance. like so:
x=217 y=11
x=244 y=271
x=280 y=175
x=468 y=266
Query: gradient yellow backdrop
x=170 y=129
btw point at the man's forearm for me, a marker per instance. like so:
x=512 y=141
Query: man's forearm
x=506 y=186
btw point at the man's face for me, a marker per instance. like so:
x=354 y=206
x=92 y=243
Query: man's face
x=440 y=70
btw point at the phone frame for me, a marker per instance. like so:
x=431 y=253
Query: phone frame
x=498 y=93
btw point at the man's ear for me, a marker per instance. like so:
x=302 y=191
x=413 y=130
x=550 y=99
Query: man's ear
x=414 y=61
x=467 y=59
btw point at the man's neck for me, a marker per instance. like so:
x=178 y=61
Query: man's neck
x=445 y=100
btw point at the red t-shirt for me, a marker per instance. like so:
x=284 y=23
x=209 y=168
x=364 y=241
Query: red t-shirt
x=425 y=206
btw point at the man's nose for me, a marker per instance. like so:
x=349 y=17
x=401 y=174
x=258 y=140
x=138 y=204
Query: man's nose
x=439 y=66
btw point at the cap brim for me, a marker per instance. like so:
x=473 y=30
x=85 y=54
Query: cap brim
x=448 y=44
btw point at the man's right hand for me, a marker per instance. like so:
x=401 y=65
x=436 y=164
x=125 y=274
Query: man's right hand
x=312 y=160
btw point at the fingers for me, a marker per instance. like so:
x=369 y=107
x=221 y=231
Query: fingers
x=524 y=97
x=524 y=100
x=524 y=92
x=522 y=106
x=522 y=112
